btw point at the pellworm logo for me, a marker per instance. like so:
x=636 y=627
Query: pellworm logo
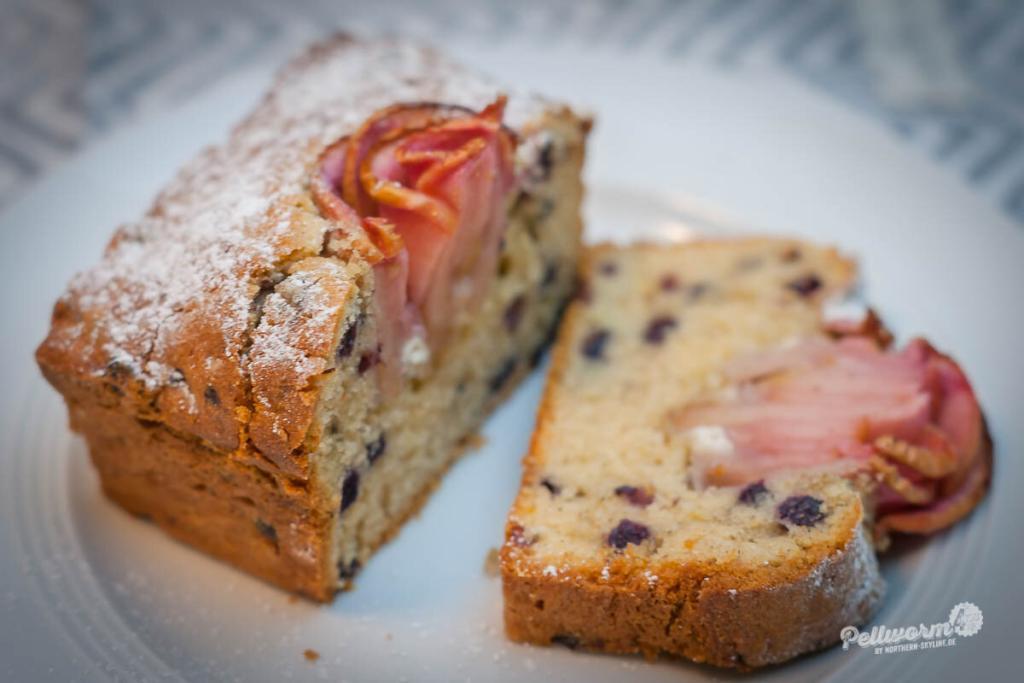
x=965 y=620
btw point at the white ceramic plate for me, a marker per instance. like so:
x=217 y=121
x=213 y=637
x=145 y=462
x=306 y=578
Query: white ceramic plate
x=88 y=593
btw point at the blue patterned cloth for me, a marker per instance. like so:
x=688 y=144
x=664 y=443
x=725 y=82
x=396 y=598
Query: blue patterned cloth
x=946 y=76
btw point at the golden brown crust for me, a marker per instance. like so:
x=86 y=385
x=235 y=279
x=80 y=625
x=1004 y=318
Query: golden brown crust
x=274 y=529
x=233 y=511
x=719 y=615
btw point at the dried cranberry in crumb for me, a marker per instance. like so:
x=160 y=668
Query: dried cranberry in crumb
x=806 y=285
x=753 y=493
x=349 y=489
x=594 y=343
x=636 y=495
x=211 y=395
x=628 y=532
x=659 y=328
x=801 y=510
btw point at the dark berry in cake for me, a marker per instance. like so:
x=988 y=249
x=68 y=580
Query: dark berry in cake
x=349 y=489
x=801 y=510
x=658 y=328
x=628 y=532
x=594 y=343
x=754 y=493
x=348 y=341
x=346 y=570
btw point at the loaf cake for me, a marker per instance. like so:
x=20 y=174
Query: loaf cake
x=278 y=361
x=720 y=452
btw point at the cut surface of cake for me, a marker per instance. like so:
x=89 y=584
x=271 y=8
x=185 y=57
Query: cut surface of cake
x=279 y=360
x=717 y=457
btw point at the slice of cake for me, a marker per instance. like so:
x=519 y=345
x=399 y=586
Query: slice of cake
x=716 y=460
x=280 y=359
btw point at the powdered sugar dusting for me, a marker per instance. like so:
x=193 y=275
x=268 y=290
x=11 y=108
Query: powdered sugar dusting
x=182 y=281
x=303 y=302
x=156 y=269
